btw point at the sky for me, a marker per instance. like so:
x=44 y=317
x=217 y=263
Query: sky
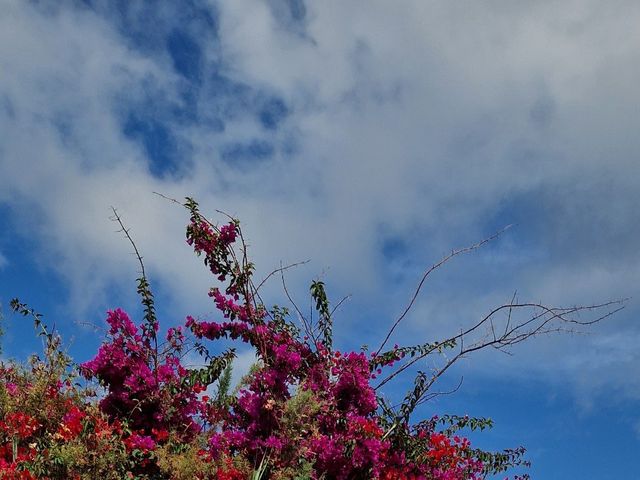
x=368 y=137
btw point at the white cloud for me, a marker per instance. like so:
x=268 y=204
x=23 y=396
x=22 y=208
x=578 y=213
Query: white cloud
x=416 y=120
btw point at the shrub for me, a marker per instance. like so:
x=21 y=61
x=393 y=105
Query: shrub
x=305 y=411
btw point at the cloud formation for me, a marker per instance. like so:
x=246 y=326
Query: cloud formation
x=367 y=136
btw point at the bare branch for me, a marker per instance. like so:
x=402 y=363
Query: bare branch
x=433 y=395
x=345 y=298
x=541 y=322
x=172 y=200
x=278 y=270
x=307 y=326
x=429 y=271
x=116 y=218
x=513 y=299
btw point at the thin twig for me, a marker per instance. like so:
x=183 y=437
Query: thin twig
x=428 y=272
x=278 y=270
x=170 y=199
x=345 y=298
x=124 y=230
x=307 y=327
x=146 y=290
x=433 y=395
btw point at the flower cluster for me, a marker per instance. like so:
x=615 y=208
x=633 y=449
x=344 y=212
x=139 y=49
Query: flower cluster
x=142 y=386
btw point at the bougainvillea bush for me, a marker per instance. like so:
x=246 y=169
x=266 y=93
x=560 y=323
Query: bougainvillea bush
x=305 y=410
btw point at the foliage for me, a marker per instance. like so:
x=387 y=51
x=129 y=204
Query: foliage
x=305 y=411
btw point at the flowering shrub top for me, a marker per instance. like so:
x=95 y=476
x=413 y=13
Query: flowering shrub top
x=306 y=411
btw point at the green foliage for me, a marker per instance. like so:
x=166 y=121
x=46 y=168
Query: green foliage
x=322 y=307
x=421 y=384
x=455 y=423
x=420 y=351
x=56 y=361
x=179 y=461
x=261 y=472
x=497 y=462
x=209 y=374
x=281 y=322
x=146 y=296
x=223 y=397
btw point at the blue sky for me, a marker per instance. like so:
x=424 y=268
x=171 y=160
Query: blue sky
x=369 y=137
